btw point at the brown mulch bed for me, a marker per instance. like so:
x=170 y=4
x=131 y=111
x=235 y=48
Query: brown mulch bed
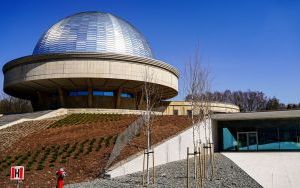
x=85 y=167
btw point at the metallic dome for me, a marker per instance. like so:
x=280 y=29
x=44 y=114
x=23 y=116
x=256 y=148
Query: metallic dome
x=93 y=32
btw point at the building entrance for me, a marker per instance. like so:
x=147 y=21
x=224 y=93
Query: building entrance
x=247 y=141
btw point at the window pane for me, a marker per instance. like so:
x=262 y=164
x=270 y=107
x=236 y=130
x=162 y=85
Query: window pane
x=108 y=93
x=127 y=95
x=289 y=139
x=229 y=141
x=103 y=93
x=268 y=139
x=78 y=93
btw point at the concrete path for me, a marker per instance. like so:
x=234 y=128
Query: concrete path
x=270 y=169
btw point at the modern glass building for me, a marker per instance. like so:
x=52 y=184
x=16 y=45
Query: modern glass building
x=261 y=131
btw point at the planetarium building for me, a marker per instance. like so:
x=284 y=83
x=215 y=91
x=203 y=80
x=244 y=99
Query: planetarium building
x=89 y=60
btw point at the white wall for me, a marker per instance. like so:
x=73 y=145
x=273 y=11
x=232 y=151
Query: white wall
x=173 y=149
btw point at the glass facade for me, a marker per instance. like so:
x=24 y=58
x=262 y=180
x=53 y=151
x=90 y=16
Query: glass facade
x=127 y=95
x=78 y=93
x=100 y=93
x=260 y=135
x=103 y=93
x=95 y=93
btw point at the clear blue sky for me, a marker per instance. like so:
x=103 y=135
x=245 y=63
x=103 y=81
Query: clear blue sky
x=247 y=44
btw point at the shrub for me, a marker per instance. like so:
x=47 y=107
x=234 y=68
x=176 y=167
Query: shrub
x=28 y=154
x=17 y=157
x=40 y=167
x=9 y=162
x=107 y=141
x=76 y=156
x=73 y=148
x=66 y=146
x=29 y=163
x=54 y=155
x=99 y=144
x=33 y=158
x=91 y=144
x=19 y=163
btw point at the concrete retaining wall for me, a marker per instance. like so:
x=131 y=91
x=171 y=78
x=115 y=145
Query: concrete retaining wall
x=105 y=111
x=172 y=149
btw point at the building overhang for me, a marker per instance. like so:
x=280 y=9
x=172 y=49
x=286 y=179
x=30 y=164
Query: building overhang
x=72 y=71
x=104 y=56
x=257 y=115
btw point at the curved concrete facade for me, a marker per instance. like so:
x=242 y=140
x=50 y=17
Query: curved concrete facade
x=184 y=108
x=46 y=80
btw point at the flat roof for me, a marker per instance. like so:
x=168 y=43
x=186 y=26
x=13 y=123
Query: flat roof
x=257 y=115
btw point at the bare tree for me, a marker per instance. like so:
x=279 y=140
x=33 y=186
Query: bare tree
x=197 y=84
x=151 y=94
x=247 y=101
x=12 y=105
x=151 y=99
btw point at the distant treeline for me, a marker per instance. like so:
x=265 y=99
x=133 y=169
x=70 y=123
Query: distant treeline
x=12 y=105
x=248 y=101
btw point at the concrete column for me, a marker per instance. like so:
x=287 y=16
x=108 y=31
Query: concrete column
x=118 y=93
x=61 y=94
x=90 y=97
x=35 y=101
x=139 y=98
x=40 y=99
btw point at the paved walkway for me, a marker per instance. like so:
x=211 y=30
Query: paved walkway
x=5 y=119
x=270 y=169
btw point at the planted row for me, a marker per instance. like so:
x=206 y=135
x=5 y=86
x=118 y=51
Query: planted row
x=75 y=119
x=56 y=153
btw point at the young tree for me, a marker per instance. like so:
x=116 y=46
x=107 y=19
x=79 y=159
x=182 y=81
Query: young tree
x=151 y=94
x=197 y=85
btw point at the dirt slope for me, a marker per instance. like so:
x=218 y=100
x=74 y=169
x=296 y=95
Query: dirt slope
x=81 y=144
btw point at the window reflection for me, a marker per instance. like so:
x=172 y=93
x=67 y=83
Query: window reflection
x=262 y=135
x=78 y=93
